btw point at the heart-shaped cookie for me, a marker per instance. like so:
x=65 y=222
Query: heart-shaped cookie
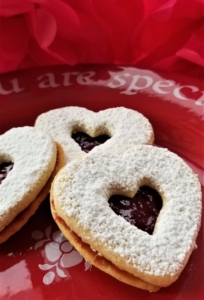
x=80 y=194
x=28 y=163
x=125 y=127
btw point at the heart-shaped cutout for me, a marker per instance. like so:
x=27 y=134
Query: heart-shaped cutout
x=141 y=211
x=124 y=126
x=81 y=191
x=86 y=142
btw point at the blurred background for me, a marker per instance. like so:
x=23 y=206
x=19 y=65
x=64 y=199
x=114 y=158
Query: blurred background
x=158 y=34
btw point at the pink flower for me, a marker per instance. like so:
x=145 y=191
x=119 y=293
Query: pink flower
x=166 y=30
x=160 y=34
x=193 y=50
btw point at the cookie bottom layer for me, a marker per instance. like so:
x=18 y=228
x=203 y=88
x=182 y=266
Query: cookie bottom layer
x=97 y=260
x=22 y=218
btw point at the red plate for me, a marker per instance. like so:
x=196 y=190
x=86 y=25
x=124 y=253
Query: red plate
x=37 y=262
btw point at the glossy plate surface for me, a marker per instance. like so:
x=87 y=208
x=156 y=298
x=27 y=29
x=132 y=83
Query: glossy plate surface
x=37 y=262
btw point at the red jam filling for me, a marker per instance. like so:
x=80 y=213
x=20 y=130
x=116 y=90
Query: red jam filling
x=141 y=211
x=5 y=168
x=86 y=142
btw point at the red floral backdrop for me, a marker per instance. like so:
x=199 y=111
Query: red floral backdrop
x=159 y=34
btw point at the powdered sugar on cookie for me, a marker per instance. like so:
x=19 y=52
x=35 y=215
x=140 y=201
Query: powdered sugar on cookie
x=33 y=153
x=81 y=191
x=126 y=128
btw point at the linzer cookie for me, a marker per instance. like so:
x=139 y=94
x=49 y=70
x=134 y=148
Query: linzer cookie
x=28 y=164
x=148 y=252
x=78 y=130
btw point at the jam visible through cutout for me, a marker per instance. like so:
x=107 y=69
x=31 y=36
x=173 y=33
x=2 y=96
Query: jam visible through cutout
x=141 y=211
x=5 y=168
x=86 y=142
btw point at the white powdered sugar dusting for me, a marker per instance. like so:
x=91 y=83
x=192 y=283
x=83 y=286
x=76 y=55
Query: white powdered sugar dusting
x=82 y=189
x=126 y=127
x=33 y=153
